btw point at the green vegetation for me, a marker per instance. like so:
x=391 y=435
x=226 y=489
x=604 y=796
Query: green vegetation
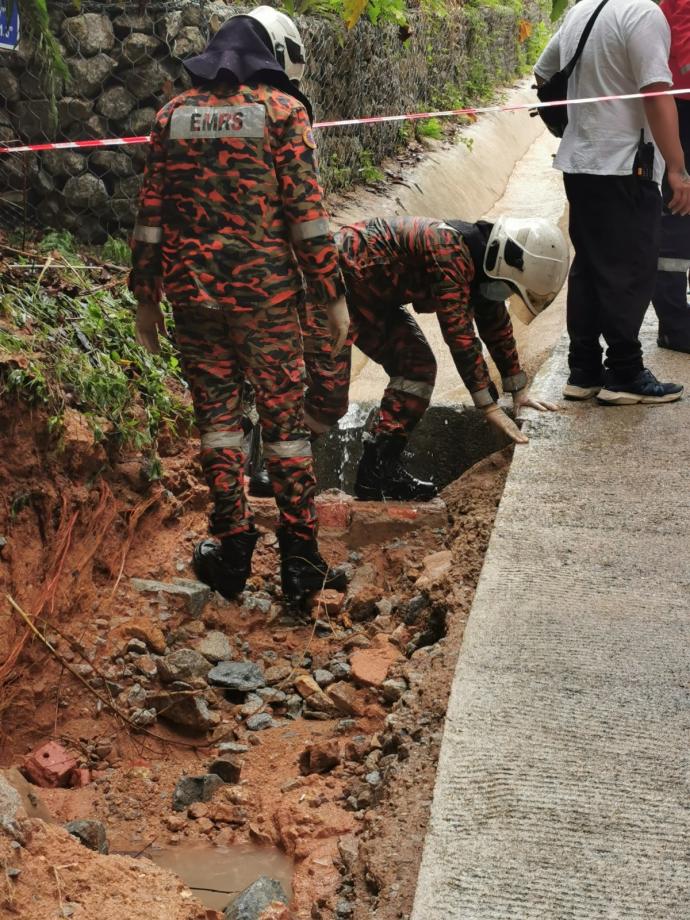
x=429 y=127
x=367 y=170
x=59 y=351
x=52 y=71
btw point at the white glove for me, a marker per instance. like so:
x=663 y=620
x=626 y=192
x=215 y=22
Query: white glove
x=338 y=323
x=496 y=417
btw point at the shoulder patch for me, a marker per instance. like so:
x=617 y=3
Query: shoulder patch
x=308 y=138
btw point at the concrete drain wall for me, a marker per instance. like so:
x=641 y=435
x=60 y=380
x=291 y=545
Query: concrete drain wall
x=446 y=443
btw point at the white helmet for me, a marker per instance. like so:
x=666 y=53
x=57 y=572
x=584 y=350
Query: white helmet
x=287 y=44
x=531 y=254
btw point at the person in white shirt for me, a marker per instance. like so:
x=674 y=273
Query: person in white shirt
x=612 y=156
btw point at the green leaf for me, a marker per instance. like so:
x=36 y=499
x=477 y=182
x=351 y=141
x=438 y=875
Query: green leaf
x=558 y=7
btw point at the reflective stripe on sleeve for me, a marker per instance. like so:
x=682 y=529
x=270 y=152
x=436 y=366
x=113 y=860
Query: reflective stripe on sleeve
x=413 y=387
x=515 y=383
x=146 y=234
x=482 y=398
x=673 y=265
x=286 y=449
x=233 y=439
x=309 y=229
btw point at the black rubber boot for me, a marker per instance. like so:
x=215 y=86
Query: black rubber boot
x=260 y=484
x=303 y=570
x=225 y=566
x=381 y=475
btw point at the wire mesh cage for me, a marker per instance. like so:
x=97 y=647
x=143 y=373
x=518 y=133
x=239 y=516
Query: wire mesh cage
x=125 y=62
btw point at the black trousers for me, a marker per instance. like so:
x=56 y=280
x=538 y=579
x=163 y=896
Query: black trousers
x=614 y=227
x=670 y=294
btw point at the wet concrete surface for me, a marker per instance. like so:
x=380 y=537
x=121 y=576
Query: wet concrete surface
x=562 y=783
x=454 y=182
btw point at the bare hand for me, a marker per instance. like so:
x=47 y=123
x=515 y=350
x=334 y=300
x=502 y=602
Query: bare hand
x=338 y=323
x=149 y=324
x=522 y=400
x=679 y=182
x=496 y=417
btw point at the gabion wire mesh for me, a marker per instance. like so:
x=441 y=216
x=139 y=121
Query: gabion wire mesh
x=125 y=62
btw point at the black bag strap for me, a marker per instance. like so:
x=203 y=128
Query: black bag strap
x=570 y=66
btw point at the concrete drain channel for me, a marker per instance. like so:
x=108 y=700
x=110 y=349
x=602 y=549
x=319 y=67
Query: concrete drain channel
x=445 y=444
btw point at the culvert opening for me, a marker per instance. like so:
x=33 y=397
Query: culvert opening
x=445 y=444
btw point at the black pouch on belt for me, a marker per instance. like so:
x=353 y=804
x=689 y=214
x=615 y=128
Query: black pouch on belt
x=643 y=164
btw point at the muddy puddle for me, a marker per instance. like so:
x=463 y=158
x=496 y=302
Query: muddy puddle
x=217 y=875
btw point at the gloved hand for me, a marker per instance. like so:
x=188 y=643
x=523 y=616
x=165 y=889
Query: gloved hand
x=496 y=417
x=521 y=400
x=338 y=323
x=149 y=322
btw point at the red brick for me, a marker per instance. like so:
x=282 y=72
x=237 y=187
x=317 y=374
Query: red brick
x=80 y=777
x=370 y=666
x=334 y=513
x=50 y=766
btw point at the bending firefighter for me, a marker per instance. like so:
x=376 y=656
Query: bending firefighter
x=462 y=272
x=231 y=221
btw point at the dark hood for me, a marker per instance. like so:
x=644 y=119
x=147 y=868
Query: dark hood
x=240 y=53
x=476 y=236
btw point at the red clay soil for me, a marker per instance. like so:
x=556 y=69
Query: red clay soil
x=78 y=526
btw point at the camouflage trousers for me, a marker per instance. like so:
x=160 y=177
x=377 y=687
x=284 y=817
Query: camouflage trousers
x=220 y=349
x=388 y=335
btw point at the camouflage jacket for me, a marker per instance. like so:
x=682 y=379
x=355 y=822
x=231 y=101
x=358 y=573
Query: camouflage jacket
x=426 y=263
x=231 y=210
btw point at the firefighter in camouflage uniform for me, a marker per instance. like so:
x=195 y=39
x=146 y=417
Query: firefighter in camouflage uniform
x=231 y=225
x=462 y=272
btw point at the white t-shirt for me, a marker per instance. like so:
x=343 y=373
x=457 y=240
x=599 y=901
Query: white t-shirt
x=627 y=50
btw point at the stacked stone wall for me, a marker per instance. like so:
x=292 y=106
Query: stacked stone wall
x=125 y=61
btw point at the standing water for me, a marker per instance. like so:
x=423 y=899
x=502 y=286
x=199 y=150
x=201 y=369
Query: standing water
x=217 y=875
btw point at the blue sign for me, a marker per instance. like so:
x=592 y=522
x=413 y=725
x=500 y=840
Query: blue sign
x=9 y=24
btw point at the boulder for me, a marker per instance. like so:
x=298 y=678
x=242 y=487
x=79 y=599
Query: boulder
x=345 y=699
x=141 y=121
x=139 y=47
x=89 y=74
x=183 y=708
x=112 y=163
x=147 y=80
x=191 y=595
x=88 y=34
x=126 y=23
x=251 y=903
x=91 y=833
x=115 y=103
x=320 y=757
x=215 y=646
x=243 y=676
x=189 y=40
x=184 y=664
x=71 y=109
x=191 y=789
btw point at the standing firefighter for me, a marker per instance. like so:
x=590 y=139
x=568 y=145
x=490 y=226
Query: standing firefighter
x=462 y=272
x=231 y=221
